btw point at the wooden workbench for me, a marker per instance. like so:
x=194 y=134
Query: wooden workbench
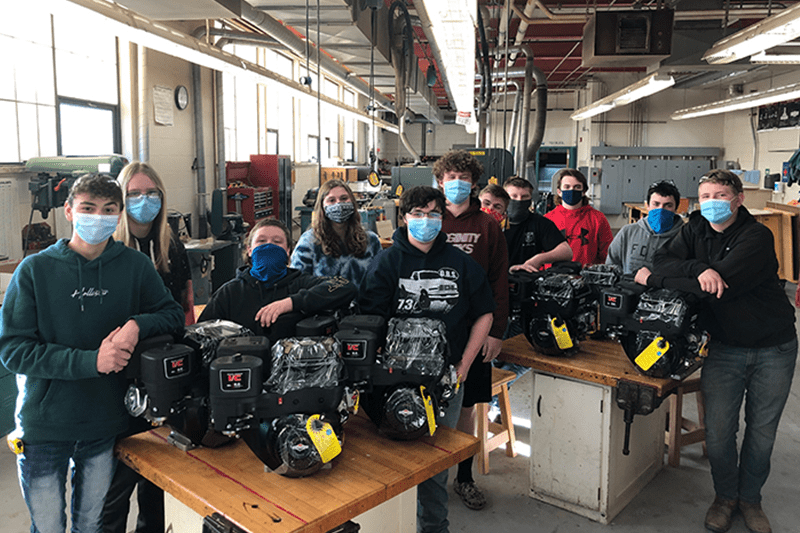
x=577 y=430
x=231 y=480
x=597 y=361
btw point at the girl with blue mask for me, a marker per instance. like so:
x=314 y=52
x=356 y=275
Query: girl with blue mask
x=144 y=227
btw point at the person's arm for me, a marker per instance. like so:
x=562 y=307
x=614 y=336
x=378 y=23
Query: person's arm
x=158 y=311
x=749 y=259
x=303 y=254
x=317 y=294
x=22 y=352
x=562 y=252
x=604 y=238
x=377 y=295
x=498 y=280
x=477 y=337
x=617 y=248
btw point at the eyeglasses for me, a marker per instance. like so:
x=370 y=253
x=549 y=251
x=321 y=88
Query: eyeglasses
x=153 y=195
x=420 y=215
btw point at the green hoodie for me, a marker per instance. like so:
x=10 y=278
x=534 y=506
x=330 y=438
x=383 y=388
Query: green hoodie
x=58 y=309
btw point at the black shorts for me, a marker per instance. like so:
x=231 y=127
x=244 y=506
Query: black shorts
x=478 y=387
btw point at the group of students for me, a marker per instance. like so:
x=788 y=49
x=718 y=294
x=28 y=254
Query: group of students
x=74 y=313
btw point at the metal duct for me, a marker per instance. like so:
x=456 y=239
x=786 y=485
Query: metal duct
x=286 y=37
x=200 y=155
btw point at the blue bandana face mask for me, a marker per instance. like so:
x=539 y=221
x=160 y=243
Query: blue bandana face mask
x=424 y=229
x=716 y=211
x=94 y=229
x=572 y=196
x=269 y=263
x=660 y=220
x=456 y=191
x=143 y=209
x=340 y=212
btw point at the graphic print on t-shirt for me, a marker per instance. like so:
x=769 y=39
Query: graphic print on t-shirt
x=428 y=290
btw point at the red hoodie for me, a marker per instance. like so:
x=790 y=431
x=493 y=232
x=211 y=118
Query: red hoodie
x=480 y=236
x=587 y=231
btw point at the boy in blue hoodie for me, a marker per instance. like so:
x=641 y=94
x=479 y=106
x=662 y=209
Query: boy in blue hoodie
x=71 y=318
x=421 y=275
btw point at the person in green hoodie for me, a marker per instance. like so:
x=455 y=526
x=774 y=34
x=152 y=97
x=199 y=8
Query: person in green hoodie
x=72 y=316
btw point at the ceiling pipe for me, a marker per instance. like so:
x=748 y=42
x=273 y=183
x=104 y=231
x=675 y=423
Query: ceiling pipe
x=525 y=151
x=286 y=37
x=530 y=5
x=400 y=53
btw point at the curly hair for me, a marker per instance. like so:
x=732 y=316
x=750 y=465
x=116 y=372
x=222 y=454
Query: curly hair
x=355 y=236
x=420 y=196
x=458 y=161
x=97 y=185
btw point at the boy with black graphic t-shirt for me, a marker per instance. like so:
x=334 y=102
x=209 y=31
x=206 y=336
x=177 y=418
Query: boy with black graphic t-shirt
x=421 y=275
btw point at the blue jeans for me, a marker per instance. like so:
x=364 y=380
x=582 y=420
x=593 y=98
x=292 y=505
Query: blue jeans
x=432 y=493
x=42 y=470
x=762 y=378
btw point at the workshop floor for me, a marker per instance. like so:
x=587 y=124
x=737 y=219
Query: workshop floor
x=674 y=502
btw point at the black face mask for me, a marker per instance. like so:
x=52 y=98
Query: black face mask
x=518 y=210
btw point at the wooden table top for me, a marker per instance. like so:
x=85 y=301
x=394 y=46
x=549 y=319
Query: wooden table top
x=597 y=361
x=231 y=480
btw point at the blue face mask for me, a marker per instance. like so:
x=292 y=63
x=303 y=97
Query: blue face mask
x=660 y=219
x=716 y=211
x=424 y=229
x=143 y=209
x=572 y=196
x=340 y=212
x=94 y=229
x=456 y=191
x=269 y=263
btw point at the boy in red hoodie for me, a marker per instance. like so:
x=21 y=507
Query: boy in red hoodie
x=479 y=235
x=586 y=229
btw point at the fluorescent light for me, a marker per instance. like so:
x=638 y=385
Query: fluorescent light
x=775 y=59
x=767 y=33
x=771 y=96
x=641 y=89
x=453 y=28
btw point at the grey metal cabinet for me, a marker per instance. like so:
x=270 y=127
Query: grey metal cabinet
x=633 y=186
x=611 y=181
x=655 y=170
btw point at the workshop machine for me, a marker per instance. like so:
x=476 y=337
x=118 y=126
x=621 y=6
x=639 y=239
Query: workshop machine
x=289 y=399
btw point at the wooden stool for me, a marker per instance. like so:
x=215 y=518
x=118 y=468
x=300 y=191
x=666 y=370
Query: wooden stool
x=675 y=438
x=503 y=432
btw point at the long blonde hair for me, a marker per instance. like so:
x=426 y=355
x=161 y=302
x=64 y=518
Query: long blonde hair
x=160 y=230
x=355 y=237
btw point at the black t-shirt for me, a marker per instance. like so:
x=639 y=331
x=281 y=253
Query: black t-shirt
x=179 y=270
x=535 y=235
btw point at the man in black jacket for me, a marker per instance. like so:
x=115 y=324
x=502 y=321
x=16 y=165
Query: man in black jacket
x=753 y=344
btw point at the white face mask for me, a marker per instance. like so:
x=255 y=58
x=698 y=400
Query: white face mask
x=94 y=229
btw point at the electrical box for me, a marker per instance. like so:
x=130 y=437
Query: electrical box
x=577 y=434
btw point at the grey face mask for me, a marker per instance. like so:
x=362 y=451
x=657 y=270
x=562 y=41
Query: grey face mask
x=340 y=212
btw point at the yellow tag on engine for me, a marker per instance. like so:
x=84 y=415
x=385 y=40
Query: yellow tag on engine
x=15 y=444
x=429 y=414
x=358 y=399
x=650 y=355
x=493 y=180
x=323 y=437
x=399 y=190
x=561 y=333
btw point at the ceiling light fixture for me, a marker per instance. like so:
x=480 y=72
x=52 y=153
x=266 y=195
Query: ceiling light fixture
x=641 y=89
x=453 y=27
x=767 y=33
x=771 y=96
x=775 y=59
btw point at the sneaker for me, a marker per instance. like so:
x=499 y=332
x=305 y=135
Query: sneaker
x=754 y=517
x=470 y=494
x=718 y=517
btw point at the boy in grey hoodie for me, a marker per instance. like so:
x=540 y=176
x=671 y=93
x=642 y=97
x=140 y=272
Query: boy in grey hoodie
x=635 y=245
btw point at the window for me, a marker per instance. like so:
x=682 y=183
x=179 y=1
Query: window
x=272 y=142
x=350 y=151
x=313 y=148
x=87 y=128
